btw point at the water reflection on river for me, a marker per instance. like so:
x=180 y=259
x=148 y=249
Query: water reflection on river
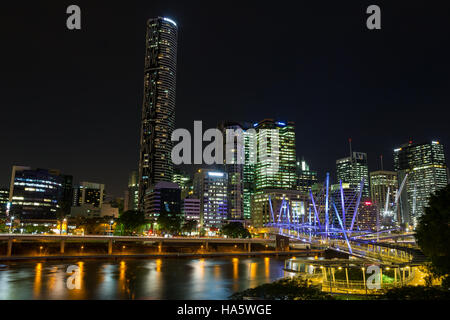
x=211 y=278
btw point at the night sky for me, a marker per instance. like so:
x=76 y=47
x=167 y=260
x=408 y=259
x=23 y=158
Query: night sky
x=72 y=100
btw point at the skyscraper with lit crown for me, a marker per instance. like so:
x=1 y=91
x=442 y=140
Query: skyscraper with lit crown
x=158 y=108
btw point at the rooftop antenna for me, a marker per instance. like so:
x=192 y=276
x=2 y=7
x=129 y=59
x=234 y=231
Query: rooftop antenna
x=381 y=160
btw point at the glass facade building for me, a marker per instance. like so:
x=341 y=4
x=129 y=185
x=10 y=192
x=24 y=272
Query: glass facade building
x=158 y=109
x=36 y=193
x=427 y=172
x=210 y=186
x=380 y=183
x=352 y=170
x=305 y=177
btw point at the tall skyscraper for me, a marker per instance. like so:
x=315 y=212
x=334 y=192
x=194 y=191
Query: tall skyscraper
x=234 y=167
x=380 y=183
x=352 y=170
x=158 y=109
x=266 y=177
x=249 y=168
x=210 y=186
x=427 y=172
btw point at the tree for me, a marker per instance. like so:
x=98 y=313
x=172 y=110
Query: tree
x=433 y=234
x=189 y=226
x=284 y=289
x=170 y=223
x=130 y=221
x=235 y=230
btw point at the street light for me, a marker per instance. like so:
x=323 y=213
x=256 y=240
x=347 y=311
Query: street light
x=110 y=227
x=11 y=224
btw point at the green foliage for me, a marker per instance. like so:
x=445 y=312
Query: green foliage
x=433 y=234
x=416 y=293
x=170 y=223
x=130 y=222
x=284 y=289
x=189 y=226
x=235 y=230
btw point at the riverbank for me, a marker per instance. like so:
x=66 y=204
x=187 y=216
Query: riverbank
x=160 y=255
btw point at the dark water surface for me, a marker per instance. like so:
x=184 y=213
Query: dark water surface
x=167 y=278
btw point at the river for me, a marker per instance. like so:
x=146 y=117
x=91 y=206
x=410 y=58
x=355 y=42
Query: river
x=167 y=278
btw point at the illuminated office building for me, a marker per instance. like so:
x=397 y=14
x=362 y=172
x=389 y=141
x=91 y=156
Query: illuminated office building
x=367 y=215
x=158 y=108
x=267 y=176
x=164 y=198
x=352 y=170
x=4 y=198
x=210 y=186
x=36 y=193
x=305 y=177
x=250 y=147
x=89 y=193
x=424 y=163
x=380 y=183
x=183 y=180
x=295 y=202
x=234 y=168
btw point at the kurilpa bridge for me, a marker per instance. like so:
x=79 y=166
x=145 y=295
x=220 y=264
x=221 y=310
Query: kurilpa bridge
x=331 y=223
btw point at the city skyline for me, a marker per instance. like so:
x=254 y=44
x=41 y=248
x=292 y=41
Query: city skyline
x=346 y=111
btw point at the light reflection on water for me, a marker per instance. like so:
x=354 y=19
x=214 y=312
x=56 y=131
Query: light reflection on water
x=212 y=278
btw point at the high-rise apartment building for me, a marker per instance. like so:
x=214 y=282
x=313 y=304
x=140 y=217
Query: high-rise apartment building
x=158 y=109
x=425 y=165
x=352 y=170
x=210 y=186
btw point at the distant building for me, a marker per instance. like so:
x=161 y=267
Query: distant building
x=210 y=186
x=367 y=215
x=425 y=165
x=91 y=211
x=234 y=168
x=4 y=198
x=380 y=183
x=352 y=170
x=191 y=209
x=273 y=198
x=249 y=171
x=162 y=198
x=184 y=181
x=350 y=202
x=36 y=193
x=305 y=177
x=131 y=199
x=89 y=193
